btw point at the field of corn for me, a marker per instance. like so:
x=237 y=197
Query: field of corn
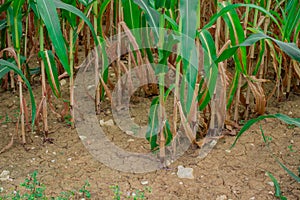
x=212 y=86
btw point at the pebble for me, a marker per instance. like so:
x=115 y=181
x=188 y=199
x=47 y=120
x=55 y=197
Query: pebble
x=63 y=82
x=69 y=159
x=4 y=176
x=4 y=126
x=90 y=86
x=53 y=161
x=129 y=132
x=185 y=172
x=180 y=183
x=290 y=113
x=130 y=140
x=252 y=198
x=222 y=197
x=271 y=183
x=144 y=182
x=107 y=123
x=82 y=137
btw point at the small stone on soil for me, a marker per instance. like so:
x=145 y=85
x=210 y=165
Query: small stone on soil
x=144 y=182
x=4 y=176
x=222 y=197
x=107 y=123
x=129 y=132
x=82 y=137
x=185 y=172
x=63 y=82
x=271 y=184
x=292 y=141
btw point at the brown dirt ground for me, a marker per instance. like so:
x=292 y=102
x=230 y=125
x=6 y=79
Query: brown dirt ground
x=238 y=174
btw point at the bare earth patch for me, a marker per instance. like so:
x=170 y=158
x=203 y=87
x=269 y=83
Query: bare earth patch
x=236 y=174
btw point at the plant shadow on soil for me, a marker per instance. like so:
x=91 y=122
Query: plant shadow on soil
x=238 y=174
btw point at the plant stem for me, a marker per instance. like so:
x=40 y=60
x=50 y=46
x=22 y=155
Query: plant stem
x=44 y=90
x=17 y=48
x=71 y=83
x=161 y=81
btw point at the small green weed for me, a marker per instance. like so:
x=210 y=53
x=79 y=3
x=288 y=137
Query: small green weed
x=36 y=190
x=290 y=147
x=137 y=194
x=7 y=119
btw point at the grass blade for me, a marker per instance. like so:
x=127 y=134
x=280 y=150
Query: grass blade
x=153 y=124
x=152 y=16
x=276 y=187
x=284 y=118
x=77 y=12
x=47 y=11
x=4 y=66
x=290 y=49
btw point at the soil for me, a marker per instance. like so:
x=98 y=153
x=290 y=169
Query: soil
x=236 y=174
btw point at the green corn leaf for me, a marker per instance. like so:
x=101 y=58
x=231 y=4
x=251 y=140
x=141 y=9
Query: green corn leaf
x=3 y=71
x=152 y=16
x=290 y=49
x=3 y=24
x=70 y=17
x=163 y=4
x=6 y=66
x=16 y=27
x=293 y=18
x=237 y=5
x=132 y=18
x=5 y=6
x=173 y=24
x=276 y=186
x=188 y=11
x=233 y=88
x=47 y=11
x=86 y=3
x=260 y=57
x=33 y=7
x=153 y=124
x=17 y=5
x=167 y=133
x=284 y=118
x=103 y=7
x=294 y=176
x=132 y=14
x=51 y=71
x=210 y=68
x=236 y=36
x=77 y=12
